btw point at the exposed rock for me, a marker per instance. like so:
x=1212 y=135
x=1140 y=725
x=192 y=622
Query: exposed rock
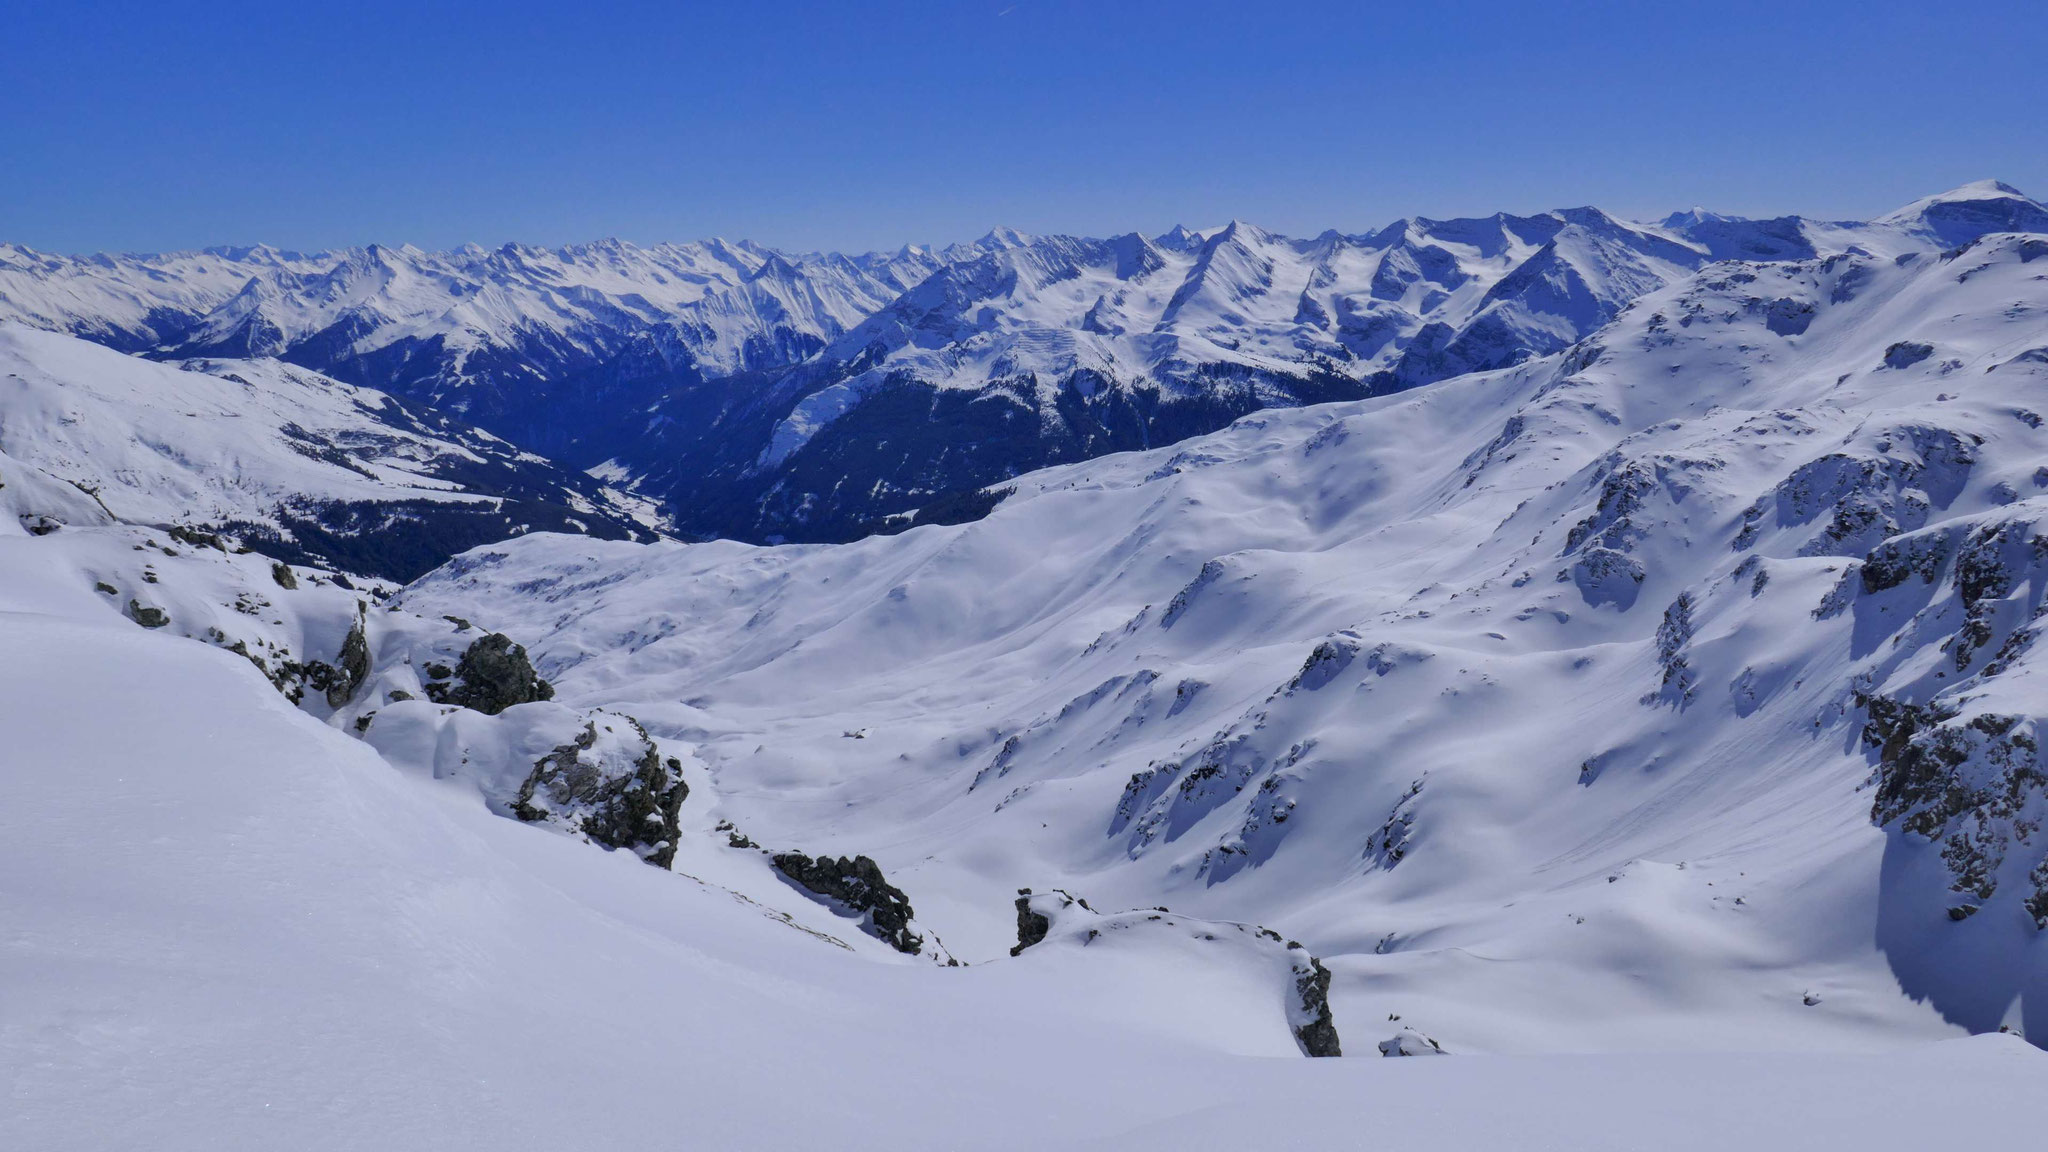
x=352 y=666
x=856 y=884
x=1314 y=1026
x=1678 y=683
x=1972 y=786
x=1053 y=915
x=1031 y=926
x=1037 y=911
x=611 y=785
x=733 y=836
x=1889 y=565
x=147 y=616
x=282 y=573
x=1389 y=846
x=493 y=675
x=1869 y=495
x=1605 y=576
x=1408 y=1042
x=1906 y=353
x=1211 y=572
x=1325 y=664
x=1788 y=317
x=195 y=537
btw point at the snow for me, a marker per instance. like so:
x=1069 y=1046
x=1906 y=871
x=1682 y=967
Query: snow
x=1508 y=816
x=740 y=356
x=230 y=926
x=470 y=297
x=1633 y=725
x=251 y=442
x=211 y=443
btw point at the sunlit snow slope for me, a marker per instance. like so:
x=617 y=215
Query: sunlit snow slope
x=1675 y=691
x=307 y=466
x=1651 y=726
x=230 y=926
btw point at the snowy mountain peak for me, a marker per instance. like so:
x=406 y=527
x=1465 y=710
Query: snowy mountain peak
x=999 y=238
x=682 y=363
x=1666 y=674
x=1962 y=214
x=1695 y=216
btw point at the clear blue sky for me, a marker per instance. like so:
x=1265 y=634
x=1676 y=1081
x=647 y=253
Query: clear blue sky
x=804 y=123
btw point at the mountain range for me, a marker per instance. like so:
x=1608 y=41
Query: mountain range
x=1605 y=654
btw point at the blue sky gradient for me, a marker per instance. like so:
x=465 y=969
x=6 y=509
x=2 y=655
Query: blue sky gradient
x=807 y=124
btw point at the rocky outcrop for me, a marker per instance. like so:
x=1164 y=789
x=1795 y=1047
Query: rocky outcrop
x=1060 y=915
x=1677 y=684
x=1314 y=1026
x=856 y=883
x=1031 y=926
x=1906 y=353
x=1956 y=745
x=1973 y=786
x=1036 y=912
x=493 y=675
x=612 y=786
x=352 y=665
x=1408 y=1042
x=1863 y=497
x=146 y=615
x=1326 y=663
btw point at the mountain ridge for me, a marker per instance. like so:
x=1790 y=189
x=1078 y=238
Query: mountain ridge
x=747 y=388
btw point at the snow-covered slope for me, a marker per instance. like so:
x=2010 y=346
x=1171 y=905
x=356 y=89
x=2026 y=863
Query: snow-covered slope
x=1651 y=726
x=300 y=464
x=814 y=396
x=557 y=348
x=1673 y=691
x=233 y=926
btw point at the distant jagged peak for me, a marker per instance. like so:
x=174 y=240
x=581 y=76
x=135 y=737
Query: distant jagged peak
x=1695 y=216
x=1244 y=232
x=1180 y=238
x=775 y=266
x=253 y=254
x=999 y=238
x=1135 y=256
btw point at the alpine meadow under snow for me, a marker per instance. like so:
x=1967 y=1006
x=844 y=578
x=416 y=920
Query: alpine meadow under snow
x=1601 y=653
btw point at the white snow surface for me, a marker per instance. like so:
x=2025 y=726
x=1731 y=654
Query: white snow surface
x=231 y=926
x=1186 y=312
x=212 y=441
x=1409 y=679
x=471 y=297
x=1534 y=703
